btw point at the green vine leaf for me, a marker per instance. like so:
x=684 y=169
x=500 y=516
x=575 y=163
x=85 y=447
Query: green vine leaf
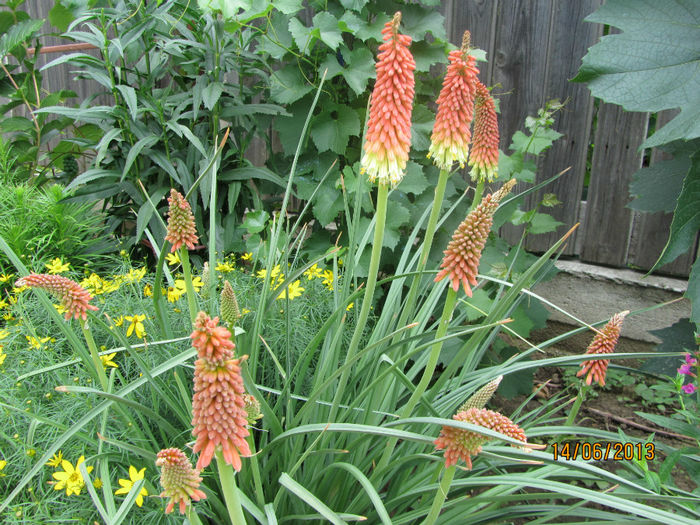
x=288 y=85
x=333 y=128
x=328 y=29
x=654 y=64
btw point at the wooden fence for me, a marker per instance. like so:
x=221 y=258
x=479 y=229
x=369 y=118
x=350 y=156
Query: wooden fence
x=534 y=47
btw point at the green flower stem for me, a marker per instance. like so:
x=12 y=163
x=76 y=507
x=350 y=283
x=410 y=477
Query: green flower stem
x=96 y=361
x=440 y=496
x=158 y=295
x=581 y=396
x=192 y=515
x=427 y=245
x=478 y=192
x=428 y=372
x=255 y=467
x=187 y=271
x=382 y=198
x=228 y=486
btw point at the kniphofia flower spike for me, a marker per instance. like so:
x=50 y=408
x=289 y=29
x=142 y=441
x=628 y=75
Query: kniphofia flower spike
x=461 y=261
x=603 y=343
x=389 y=125
x=74 y=298
x=449 y=142
x=181 y=228
x=178 y=479
x=218 y=406
x=484 y=155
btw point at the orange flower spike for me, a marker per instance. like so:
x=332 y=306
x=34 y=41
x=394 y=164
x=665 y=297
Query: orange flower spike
x=463 y=444
x=389 y=125
x=178 y=479
x=218 y=405
x=484 y=156
x=74 y=298
x=603 y=343
x=449 y=142
x=181 y=228
x=461 y=261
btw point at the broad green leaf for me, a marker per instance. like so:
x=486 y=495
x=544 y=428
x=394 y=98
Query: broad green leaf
x=252 y=172
x=288 y=85
x=543 y=223
x=301 y=34
x=289 y=128
x=374 y=29
x=414 y=180
x=328 y=203
x=417 y=20
x=288 y=7
x=327 y=26
x=686 y=217
x=693 y=292
x=255 y=221
x=60 y=16
x=129 y=95
x=354 y=5
x=252 y=109
x=397 y=217
x=332 y=129
x=657 y=187
x=351 y=23
x=423 y=120
x=11 y=124
x=18 y=33
x=277 y=39
x=135 y=150
x=359 y=69
x=676 y=337
x=104 y=144
x=654 y=64
x=211 y=94
x=426 y=55
x=535 y=144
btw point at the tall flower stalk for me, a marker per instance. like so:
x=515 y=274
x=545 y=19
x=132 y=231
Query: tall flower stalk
x=386 y=152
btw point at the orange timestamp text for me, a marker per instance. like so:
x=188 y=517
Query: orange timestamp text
x=603 y=451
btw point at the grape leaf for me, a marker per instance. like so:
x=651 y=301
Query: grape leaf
x=329 y=31
x=654 y=64
x=288 y=85
x=332 y=129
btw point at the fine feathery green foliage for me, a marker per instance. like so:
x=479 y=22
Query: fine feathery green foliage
x=654 y=65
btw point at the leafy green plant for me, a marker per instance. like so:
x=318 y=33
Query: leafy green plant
x=661 y=74
x=21 y=84
x=39 y=225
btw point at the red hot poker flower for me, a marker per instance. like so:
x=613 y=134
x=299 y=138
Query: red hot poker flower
x=463 y=444
x=451 y=136
x=218 y=405
x=74 y=298
x=181 y=228
x=603 y=343
x=179 y=480
x=461 y=261
x=389 y=125
x=484 y=156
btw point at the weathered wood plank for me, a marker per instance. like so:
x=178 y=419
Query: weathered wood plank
x=608 y=222
x=478 y=18
x=569 y=40
x=650 y=230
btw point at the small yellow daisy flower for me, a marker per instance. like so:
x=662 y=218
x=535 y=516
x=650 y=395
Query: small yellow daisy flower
x=328 y=279
x=173 y=258
x=127 y=484
x=71 y=479
x=224 y=267
x=57 y=266
x=247 y=256
x=148 y=291
x=107 y=360
x=313 y=272
x=5 y=277
x=295 y=290
x=136 y=325
x=56 y=460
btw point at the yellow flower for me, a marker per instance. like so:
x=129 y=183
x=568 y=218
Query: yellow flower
x=71 y=479
x=127 y=484
x=60 y=308
x=245 y=311
x=174 y=294
x=35 y=343
x=19 y=290
x=5 y=277
x=107 y=360
x=8 y=317
x=196 y=284
x=247 y=256
x=135 y=275
x=4 y=334
x=312 y=272
x=2 y=466
x=294 y=290
x=328 y=279
x=3 y=355
x=148 y=291
x=56 y=460
x=224 y=267
x=3 y=304
x=173 y=258
x=350 y=307
x=136 y=325
x=97 y=483
x=57 y=266
x=119 y=321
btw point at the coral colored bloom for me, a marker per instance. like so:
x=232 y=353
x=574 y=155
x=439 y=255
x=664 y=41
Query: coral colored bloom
x=690 y=388
x=74 y=298
x=181 y=228
x=218 y=406
x=484 y=156
x=128 y=484
x=461 y=261
x=179 y=480
x=451 y=136
x=462 y=444
x=603 y=343
x=389 y=125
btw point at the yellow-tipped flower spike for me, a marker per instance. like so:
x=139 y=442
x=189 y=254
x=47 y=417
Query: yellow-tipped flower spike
x=218 y=407
x=181 y=228
x=74 y=298
x=449 y=142
x=230 y=313
x=389 y=125
x=482 y=396
x=463 y=444
x=461 y=261
x=178 y=479
x=603 y=343
x=484 y=155
x=206 y=276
